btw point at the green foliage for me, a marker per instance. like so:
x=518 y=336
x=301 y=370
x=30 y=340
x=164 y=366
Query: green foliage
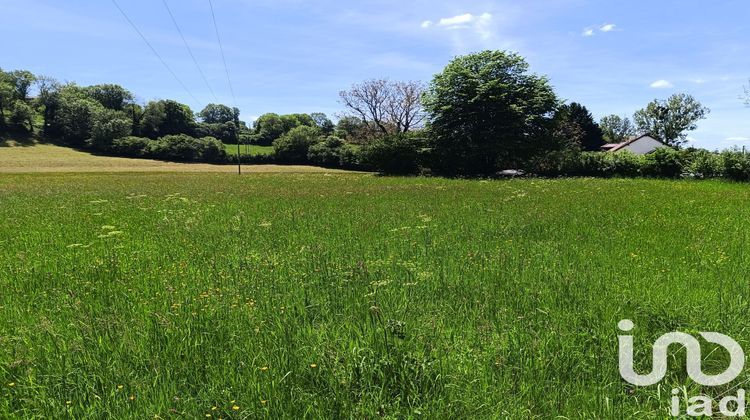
x=21 y=81
x=400 y=154
x=663 y=163
x=323 y=123
x=736 y=165
x=184 y=148
x=113 y=97
x=702 y=164
x=326 y=153
x=167 y=117
x=577 y=128
x=616 y=129
x=350 y=128
x=75 y=117
x=294 y=146
x=487 y=112
x=671 y=120
x=226 y=132
x=108 y=126
x=219 y=114
x=268 y=127
x=22 y=115
x=129 y=146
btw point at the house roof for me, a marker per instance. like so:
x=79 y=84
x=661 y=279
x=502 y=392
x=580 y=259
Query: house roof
x=618 y=146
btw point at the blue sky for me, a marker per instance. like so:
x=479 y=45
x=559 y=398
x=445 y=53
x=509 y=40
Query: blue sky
x=294 y=56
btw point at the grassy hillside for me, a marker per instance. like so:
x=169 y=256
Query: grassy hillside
x=175 y=295
x=248 y=149
x=21 y=157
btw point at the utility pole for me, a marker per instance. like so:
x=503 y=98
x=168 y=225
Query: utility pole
x=237 y=138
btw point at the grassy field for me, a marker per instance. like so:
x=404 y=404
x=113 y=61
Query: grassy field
x=248 y=149
x=353 y=296
x=50 y=158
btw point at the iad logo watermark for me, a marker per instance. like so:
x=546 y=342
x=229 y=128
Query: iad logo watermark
x=731 y=406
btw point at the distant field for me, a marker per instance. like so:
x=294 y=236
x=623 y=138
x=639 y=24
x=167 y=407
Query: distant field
x=49 y=158
x=248 y=149
x=353 y=296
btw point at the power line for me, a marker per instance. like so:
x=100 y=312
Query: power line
x=125 y=15
x=221 y=48
x=231 y=88
x=190 y=50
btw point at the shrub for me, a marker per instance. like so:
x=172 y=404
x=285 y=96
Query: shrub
x=130 y=146
x=181 y=147
x=22 y=115
x=625 y=164
x=108 y=125
x=663 y=163
x=401 y=154
x=350 y=157
x=703 y=164
x=294 y=146
x=736 y=165
x=327 y=152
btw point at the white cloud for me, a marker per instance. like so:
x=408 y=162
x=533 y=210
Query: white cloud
x=662 y=84
x=591 y=30
x=481 y=24
x=699 y=81
x=737 y=139
x=457 y=22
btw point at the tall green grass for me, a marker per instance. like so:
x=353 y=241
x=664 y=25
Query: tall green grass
x=352 y=296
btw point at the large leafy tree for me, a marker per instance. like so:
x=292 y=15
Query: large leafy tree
x=22 y=81
x=75 y=116
x=577 y=126
x=616 y=129
x=268 y=127
x=218 y=114
x=162 y=118
x=113 y=97
x=324 y=123
x=486 y=111
x=22 y=115
x=672 y=119
x=48 y=100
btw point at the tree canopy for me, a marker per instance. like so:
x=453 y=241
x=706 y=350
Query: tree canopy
x=616 y=129
x=487 y=112
x=670 y=120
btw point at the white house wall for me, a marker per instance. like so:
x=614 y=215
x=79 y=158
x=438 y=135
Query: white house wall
x=643 y=146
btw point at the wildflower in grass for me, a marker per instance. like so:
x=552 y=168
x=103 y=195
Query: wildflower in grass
x=12 y=384
x=108 y=227
x=214 y=408
x=264 y=402
x=208 y=414
x=264 y=368
x=235 y=407
x=132 y=398
x=313 y=366
x=68 y=402
x=119 y=387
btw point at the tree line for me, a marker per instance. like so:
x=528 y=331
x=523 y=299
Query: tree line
x=485 y=112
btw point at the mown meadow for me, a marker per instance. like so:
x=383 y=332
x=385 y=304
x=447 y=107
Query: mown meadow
x=355 y=296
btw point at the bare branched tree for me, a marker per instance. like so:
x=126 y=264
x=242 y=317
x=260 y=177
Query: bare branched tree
x=390 y=107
